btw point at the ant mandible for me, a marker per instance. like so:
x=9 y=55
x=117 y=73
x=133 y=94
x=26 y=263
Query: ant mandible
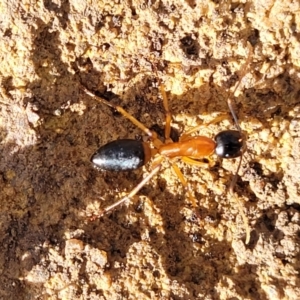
x=130 y=154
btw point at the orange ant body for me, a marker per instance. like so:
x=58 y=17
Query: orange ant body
x=129 y=154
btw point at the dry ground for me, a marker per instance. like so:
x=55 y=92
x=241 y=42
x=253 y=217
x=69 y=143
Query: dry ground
x=153 y=248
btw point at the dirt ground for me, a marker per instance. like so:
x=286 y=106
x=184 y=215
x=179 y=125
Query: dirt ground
x=157 y=246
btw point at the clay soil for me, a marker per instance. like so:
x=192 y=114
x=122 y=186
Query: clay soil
x=158 y=246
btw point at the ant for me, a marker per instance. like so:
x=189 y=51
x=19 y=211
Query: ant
x=130 y=154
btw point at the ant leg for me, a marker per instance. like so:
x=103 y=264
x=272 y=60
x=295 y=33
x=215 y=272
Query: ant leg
x=130 y=195
x=128 y=116
x=217 y=119
x=167 y=112
x=243 y=73
x=184 y=183
x=194 y=162
x=166 y=108
x=231 y=193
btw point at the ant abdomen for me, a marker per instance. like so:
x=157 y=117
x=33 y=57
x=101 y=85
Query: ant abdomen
x=122 y=155
x=229 y=143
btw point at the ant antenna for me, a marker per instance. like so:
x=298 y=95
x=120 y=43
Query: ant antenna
x=243 y=137
x=243 y=72
x=234 y=116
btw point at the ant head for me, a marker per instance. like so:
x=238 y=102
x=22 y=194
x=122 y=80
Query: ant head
x=230 y=143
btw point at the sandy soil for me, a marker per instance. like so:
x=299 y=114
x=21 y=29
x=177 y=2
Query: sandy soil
x=153 y=247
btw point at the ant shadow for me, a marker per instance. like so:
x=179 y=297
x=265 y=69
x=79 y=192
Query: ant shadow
x=58 y=182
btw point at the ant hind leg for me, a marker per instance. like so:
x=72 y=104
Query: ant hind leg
x=127 y=115
x=102 y=212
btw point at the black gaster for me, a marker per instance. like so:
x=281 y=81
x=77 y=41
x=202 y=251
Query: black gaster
x=230 y=143
x=120 y=155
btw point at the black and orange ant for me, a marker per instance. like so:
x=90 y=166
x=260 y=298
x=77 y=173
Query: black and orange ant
x=130 y=154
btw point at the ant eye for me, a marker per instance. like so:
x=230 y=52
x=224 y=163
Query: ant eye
x=230 y=144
